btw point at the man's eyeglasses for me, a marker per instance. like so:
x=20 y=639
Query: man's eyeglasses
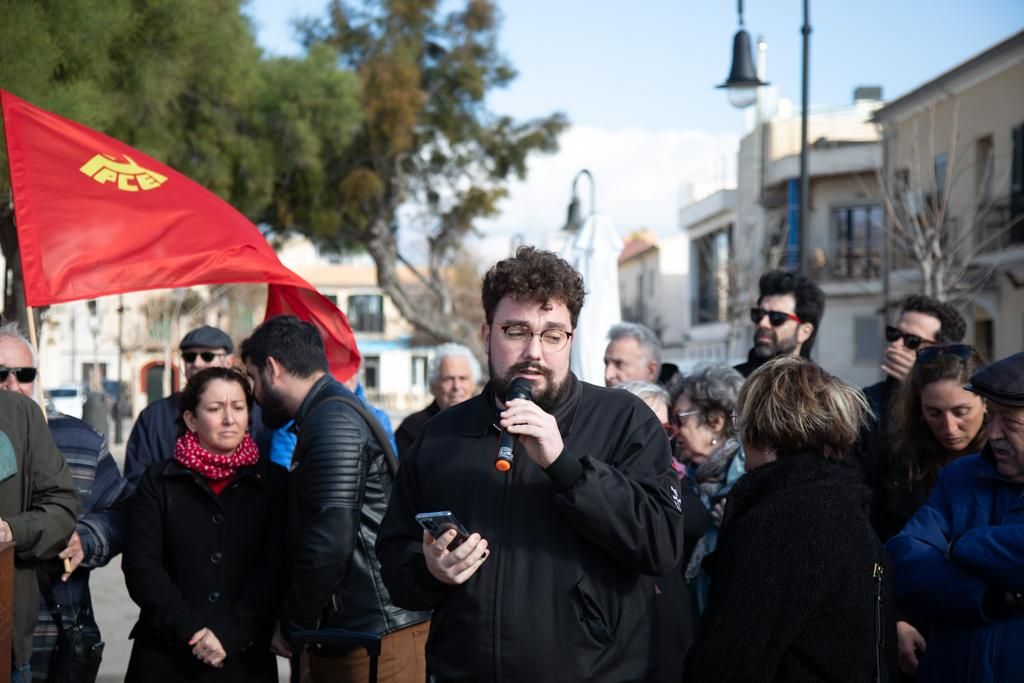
x=207 y=356
x=911 y=341
x=776 y=318
x=552 y=339
x=679 y=418
x=930 y=354
x=23 y=375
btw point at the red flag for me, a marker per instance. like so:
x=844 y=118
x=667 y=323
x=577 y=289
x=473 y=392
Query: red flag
x=97 y=217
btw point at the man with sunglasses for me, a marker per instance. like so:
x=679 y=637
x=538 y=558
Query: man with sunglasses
x=38 y=503
x=104 y=494
x=156 y=431
x=958 y=562
x=786 y=318
x=923 y=322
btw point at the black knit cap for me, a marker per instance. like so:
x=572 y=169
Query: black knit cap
x=1002 y=381
x=207 y=337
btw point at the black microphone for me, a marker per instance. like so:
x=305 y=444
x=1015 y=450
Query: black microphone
x=520 y=388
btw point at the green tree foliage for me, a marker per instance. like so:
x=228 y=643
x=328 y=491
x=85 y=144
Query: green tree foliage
x=184 y=81
x=427 y=140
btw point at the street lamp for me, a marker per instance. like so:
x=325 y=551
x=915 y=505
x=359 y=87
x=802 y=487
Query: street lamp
x=742 y=85
x=743 y=82
x=573 y=219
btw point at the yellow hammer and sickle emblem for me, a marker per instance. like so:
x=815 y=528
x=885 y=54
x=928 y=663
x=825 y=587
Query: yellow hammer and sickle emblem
x=129 y=176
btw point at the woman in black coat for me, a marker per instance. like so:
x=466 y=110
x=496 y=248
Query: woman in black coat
x=793 y=587
x=202 y=555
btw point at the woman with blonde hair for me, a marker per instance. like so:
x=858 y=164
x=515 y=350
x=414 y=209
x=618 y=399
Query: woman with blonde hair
x=798 y=588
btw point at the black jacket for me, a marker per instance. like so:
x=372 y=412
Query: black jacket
x=193 y=559
x=411 y=427
x=868 y=458
x=566 y=593
x=339 y=490
x=792 y=591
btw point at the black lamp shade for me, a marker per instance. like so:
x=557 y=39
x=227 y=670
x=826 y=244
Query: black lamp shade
x=572 y=220
x=743 y=73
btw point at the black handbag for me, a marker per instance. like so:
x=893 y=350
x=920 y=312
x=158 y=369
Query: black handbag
x=79 y=649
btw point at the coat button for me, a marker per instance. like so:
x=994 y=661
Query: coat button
x=216 y=557
x=213 y=596
x=218 y=518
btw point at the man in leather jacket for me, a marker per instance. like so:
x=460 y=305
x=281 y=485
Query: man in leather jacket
x=341 y=478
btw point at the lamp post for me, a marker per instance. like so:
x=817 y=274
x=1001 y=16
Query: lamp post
x=573 y=217
x=742 y=85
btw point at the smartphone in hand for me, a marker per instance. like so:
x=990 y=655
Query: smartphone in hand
x=437 y=523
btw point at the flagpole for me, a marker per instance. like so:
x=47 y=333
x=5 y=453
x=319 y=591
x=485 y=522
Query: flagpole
x=35 y=344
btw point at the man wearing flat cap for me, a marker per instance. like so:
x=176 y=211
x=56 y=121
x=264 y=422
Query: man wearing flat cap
x=959 y=563
x=155 y=432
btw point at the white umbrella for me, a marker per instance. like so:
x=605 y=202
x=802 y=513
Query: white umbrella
x=594 y=252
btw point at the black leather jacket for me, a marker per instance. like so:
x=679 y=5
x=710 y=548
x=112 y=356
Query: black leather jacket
x=338 y=493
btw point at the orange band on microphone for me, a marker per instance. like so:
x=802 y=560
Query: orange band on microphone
x=502 y=465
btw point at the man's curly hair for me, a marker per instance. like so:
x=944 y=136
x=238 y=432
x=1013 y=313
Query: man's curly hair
x=535 y=276
x=952 y=326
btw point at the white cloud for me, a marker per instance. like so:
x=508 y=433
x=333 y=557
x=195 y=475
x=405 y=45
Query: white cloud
x=643 y=177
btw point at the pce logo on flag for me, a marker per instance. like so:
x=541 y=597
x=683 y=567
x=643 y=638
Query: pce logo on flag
x=129 y=176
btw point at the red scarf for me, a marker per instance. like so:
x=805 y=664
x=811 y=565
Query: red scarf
x=189 y=453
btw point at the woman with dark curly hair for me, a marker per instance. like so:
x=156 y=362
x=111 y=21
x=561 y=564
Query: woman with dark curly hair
x=201 y=557
x=934 y=421
x=704 y=403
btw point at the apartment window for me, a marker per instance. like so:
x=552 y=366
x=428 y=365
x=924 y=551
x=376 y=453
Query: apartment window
x=984 y=168
x=1017 y=185
x=333 y=298
x=419 y=372
x=371 y=373
x=366 y=312
x=640 y=310
x=856 y=241
x=710 y=265
x=941 y=168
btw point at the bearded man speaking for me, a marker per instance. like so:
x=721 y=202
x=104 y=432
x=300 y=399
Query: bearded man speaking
x=554 y=579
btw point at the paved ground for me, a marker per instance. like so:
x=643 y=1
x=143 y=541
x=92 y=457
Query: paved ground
x=116 y=614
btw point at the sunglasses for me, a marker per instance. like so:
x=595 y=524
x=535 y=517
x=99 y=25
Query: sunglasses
x=776 y=318
x=930 y=354
x=911 y=341
x=208 y=356
x=23 y=375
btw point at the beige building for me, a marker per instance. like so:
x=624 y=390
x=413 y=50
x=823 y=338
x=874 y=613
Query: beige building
x=955 y=146
x=653 y=286
x=736 y=235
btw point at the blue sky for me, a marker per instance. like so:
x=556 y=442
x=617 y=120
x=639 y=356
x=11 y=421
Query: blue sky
x=637 y=81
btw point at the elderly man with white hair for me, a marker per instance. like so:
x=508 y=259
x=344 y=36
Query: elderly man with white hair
x=453 y=375
x=633 y=355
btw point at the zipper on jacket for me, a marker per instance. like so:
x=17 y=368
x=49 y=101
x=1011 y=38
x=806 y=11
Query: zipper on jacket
x=503 y=499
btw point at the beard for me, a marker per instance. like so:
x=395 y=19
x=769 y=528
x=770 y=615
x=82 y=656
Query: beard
x=275 y=414
x=546 y=399
x=773 y=346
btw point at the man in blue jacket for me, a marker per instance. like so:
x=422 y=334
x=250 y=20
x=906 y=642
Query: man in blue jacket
x=958 y=563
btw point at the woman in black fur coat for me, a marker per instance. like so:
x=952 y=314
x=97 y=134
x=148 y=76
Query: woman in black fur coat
x=795 y=593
